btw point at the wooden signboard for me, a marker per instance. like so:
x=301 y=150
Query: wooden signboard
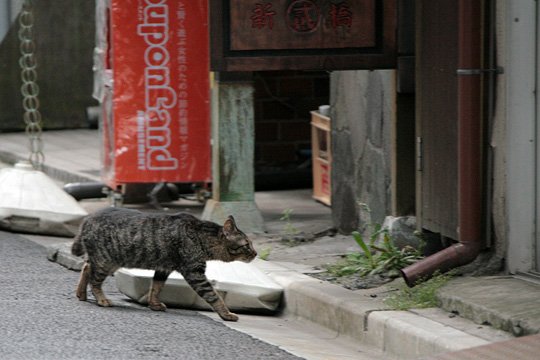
x=257 y=35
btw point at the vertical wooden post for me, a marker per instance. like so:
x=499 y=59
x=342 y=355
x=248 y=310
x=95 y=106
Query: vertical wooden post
x=233 y=144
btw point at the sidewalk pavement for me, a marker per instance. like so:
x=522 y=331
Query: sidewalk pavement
x=472 y=309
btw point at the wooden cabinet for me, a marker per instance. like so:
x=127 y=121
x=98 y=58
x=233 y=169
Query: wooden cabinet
x=322 y=157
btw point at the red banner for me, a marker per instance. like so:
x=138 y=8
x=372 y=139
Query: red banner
x=160 y=91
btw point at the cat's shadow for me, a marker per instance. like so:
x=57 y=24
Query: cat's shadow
x=127 y=304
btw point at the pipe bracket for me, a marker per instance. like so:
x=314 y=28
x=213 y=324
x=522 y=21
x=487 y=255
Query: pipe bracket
x=498 y=70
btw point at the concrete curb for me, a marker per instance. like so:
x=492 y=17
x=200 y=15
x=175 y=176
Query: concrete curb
x=365 y=318
x=61 y=254
x=409 y=336
x=331 y=306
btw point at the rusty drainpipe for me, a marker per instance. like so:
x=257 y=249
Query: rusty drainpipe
x=469 y=151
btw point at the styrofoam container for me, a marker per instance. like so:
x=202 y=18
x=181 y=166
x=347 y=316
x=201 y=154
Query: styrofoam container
x=243 y=287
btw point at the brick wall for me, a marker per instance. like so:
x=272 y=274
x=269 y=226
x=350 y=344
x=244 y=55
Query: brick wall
x=283 y=100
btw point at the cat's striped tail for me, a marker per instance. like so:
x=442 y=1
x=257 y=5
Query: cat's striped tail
x=77 y=248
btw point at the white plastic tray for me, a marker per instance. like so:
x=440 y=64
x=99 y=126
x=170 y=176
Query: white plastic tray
x=243 y=286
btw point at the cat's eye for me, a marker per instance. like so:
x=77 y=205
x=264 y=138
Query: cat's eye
x=241 y=249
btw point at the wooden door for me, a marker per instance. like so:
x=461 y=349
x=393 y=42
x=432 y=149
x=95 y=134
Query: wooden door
x=437 y=39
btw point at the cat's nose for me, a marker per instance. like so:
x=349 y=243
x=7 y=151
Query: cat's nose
x=253 y=251
x=252 y=256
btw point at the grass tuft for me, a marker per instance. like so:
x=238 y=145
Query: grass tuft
x=385 y=259
x=420 y=296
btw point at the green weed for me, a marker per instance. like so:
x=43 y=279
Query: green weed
x=423 y=295
x=288 y=228
x=385 y=259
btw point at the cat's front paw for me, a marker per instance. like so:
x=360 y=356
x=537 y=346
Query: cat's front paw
x=104 y=302
x=81 y=295
x=157 y=306
x=229 y=316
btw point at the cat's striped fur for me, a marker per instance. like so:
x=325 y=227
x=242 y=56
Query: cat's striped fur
x=115 y=237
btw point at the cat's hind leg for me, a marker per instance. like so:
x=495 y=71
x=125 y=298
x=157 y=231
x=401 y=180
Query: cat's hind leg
x=157 y=284
x=198 y=281
x=83 y=282
x=96 y=277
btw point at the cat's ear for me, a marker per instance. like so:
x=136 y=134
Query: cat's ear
x=229 y=226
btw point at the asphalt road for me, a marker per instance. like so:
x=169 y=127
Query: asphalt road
x=41 y=318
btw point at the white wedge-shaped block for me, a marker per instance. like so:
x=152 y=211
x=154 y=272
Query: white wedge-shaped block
x=32 y=202
x=243 y=287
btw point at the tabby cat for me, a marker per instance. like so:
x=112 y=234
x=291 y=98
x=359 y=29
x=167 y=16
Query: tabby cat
x=115 y=237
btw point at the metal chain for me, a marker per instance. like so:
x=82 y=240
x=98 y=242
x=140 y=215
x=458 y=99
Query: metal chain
x=30 y=88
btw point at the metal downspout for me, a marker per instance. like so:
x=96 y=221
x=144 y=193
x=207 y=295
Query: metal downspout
x=469 y=151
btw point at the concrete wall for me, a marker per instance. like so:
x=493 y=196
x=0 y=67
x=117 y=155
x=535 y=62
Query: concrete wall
x=362 y=112
x=517 y=23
